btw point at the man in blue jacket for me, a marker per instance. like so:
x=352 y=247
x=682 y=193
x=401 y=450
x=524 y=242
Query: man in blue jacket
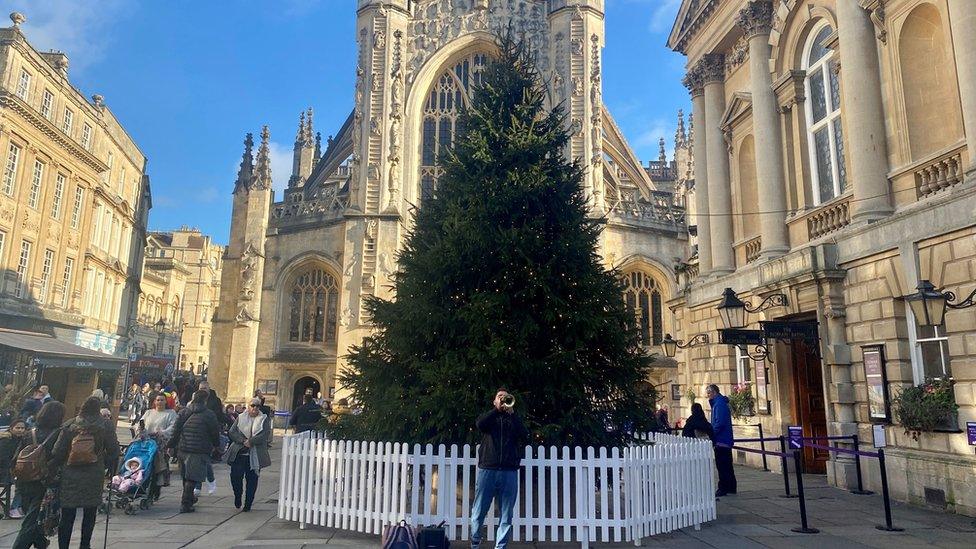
x=722 y=426
x=499 y=459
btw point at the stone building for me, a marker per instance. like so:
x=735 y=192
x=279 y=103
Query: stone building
x=74 y=199
x=833 y=164
x=296 y=270
x=180 y=289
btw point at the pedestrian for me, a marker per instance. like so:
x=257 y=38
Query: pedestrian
x=723 y=439
x=697 y=425
x=32 y=404
x=248 y=452
x=45 y=433
x=84 y=450
x=195 y=436
x=499 y=458
x=264 y=408
x=662 y=420
x=216 y=406
x=45 y=394
x=230 y=412
x=10 y=442
x=158 y=424
x=307 y=416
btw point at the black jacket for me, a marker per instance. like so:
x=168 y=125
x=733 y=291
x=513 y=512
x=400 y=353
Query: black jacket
x=697 y=427
x=217 y=407
x=197 y=430
x=502 y=440
x=306 y=417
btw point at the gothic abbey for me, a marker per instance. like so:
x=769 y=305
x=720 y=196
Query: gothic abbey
x=296 y=270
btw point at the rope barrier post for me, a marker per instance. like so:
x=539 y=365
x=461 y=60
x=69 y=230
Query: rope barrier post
x=857 y=464
x=804 y=528
x=884 y=494
x=786 y=469
x=762 y=446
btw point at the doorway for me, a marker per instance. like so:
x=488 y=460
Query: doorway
x=305 y=385
x=809 y=404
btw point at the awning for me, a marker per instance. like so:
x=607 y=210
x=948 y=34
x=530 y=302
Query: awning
x=55 y=353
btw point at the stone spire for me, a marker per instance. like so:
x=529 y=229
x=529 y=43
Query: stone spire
x=691 y=128
x=246 y=171
x=307 y=136
x=318 y=147
x=680 y=137
x=262 y=164
x=304 y=154
x=300 y=135
x=661 y=155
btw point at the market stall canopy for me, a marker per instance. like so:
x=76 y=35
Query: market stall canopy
x=55 y=353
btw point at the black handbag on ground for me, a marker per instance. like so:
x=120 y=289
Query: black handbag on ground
x=432 y=537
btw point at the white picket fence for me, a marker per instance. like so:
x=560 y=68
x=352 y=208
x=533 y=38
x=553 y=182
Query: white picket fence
x=663 y=484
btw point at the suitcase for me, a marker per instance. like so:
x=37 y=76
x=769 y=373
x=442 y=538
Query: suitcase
x=432 y=537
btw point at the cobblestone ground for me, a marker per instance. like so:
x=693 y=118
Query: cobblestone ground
x=756 y=517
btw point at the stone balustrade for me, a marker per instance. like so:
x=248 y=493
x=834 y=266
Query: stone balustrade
x=828 y=219
x=940 y=173
x=658 y=210
x=328 y=204
x=753 y=248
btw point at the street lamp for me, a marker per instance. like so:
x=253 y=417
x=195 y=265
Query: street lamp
x=671 y=345
x=733 y=310
x=159 y=327
x=929 y=305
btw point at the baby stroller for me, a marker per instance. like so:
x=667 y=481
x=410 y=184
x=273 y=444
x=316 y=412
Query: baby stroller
x=146 y=492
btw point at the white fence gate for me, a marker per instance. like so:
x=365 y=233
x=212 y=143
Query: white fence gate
x=663 y=484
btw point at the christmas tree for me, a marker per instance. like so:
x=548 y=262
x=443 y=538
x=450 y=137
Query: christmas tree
x=500 y=285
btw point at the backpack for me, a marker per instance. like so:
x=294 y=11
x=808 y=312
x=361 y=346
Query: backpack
x=432 y=537
x=31 y=462
x=83 y=450
x=399 y=536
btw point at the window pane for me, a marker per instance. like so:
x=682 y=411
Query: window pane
x=935 y=359
x=927 y=332
x=307 y=316
x=296 y=303
x=818 y=98
x=834 y=86
x=429 y=143
x=318 y=334
x=824 y=171
x=839 y=144
x=657 y=320
x=818 y=50
x=644 y=320
x=333 y=312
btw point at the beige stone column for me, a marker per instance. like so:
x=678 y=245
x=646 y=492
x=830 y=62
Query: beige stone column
x=863 y=113
x=962 y=20
x=694 y=84
x=757 y=20
x=712 y=67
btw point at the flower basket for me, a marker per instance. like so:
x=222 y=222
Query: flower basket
x=741 y=403
x=926 y=407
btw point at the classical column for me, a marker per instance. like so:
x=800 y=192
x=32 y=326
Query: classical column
x=962 y=19
x=693 y=82
x=757 y=20
x=712 y=68
x=863 y=113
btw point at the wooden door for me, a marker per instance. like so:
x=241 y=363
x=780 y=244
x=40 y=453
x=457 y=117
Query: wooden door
x=809 y=404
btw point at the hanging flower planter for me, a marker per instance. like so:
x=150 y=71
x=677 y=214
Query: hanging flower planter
x=741 y=402
x=929 y=406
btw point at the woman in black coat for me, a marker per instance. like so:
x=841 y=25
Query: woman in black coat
x=697 y=425
x=46 y=428
x=81 y=483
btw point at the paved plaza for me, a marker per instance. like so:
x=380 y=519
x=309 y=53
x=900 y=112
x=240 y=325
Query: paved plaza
x=756 y=517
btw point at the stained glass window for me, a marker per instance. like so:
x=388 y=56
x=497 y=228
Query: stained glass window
x=643 y=297
x=312 y=315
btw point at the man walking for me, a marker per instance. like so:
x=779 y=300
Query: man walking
x=499 y=459
x=722 y=427
x=306 y=416
x=195 y=436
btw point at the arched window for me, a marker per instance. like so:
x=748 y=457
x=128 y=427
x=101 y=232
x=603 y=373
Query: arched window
x=643 y=296
x=312 y=313
x=825 y=136
x=450 y=92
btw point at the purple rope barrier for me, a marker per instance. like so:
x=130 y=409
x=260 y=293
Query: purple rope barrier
x=765 y=439
x=753 y=450
x=840 y=450
x=835 y=437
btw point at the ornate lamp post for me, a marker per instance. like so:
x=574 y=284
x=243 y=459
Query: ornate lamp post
x=159 y=327
x=671 y=345
x=929 y=305
x=733 y=310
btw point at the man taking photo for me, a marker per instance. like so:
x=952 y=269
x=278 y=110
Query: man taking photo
x=499 y=458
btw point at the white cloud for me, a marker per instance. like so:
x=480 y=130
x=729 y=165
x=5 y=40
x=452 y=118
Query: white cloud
x=664 y=14
x=79 y=29
x=282 y=157
x=646 y=142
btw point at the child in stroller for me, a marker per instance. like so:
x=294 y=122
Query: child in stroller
x=135 y=479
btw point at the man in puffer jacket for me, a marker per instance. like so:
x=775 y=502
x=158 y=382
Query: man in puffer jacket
x=722 y=427
x=499 y=458
x=195 y=436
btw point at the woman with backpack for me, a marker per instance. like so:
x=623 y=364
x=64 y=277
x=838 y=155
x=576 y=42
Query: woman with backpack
x=32 y=473
x=85 y=447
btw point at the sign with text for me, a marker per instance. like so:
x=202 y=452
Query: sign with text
x=762 y=397
x=780 y=329
x=874 y=376
x=729 y=336
x=880 y=439
x=796 y=436
x=971 y=432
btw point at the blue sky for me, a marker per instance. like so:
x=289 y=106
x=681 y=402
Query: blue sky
x=189 y=78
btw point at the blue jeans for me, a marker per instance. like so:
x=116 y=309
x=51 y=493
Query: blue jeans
x=500 y=485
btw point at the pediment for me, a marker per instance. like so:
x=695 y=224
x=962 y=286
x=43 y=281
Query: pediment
x=739 y=108
x=691 y=15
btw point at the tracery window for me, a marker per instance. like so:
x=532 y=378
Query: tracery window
x=312 y=313
x=643 y=297
x=825 y=135
x=449 y=94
